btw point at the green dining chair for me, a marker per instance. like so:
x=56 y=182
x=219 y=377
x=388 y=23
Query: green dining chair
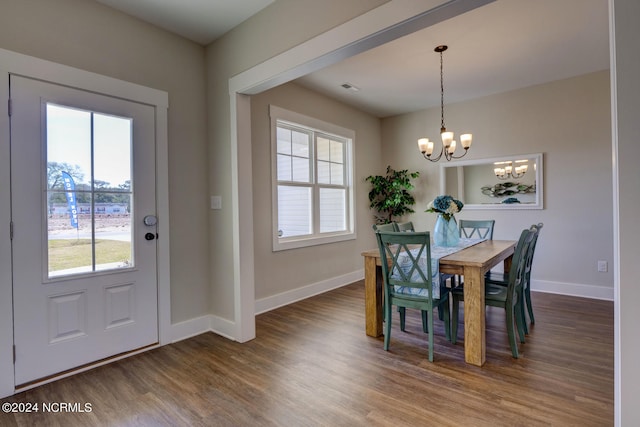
x=408 y=227
x=473 y=229
x=507 y=297
x=408 y=280
x=502 y=279
x=393 y=226
x=404 y=226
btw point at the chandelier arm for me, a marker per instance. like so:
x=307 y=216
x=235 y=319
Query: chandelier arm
x=435 y=159
x=459 y=157
x=509 y=175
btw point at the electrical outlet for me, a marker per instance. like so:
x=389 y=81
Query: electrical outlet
x=216 y=202
x=602 y=266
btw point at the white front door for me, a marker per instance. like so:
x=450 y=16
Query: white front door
x=84 y=233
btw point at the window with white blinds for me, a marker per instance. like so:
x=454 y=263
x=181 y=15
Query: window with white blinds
x=312 y=185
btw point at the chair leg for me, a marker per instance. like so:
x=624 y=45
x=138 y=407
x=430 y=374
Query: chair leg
x=387 y=325
x=403 y=312
x=522 y=317
x=425 y=326
x=443 y=285
x=527 y=295
x=430 y=319
x=447 y=320
x=521 y=322
x=511 y=332
x=454 y=320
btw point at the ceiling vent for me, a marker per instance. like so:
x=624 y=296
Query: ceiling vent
x=349 y=86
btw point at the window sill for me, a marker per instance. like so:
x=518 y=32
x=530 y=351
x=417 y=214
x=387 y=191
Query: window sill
x=303 y=242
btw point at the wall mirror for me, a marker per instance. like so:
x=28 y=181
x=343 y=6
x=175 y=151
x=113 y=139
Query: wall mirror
x=510 y=182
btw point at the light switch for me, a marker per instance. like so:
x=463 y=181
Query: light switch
x=216 y=202
x=603 y=267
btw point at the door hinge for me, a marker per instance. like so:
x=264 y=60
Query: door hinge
x=11 y=230
x=9 y=106
x=14 y=353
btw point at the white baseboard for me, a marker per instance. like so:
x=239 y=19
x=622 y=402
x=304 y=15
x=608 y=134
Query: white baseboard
x=270 y=303
x=222 y=327
x=190 y=328
x=199 y=325
x=573 y=289
x=226 y=328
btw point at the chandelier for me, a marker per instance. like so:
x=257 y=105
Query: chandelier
x=448 y=143
x=506 y=170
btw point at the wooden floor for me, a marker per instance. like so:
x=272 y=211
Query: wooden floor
x=312 y=365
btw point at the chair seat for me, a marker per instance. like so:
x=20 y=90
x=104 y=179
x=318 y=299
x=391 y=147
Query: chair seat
x=492 y=293
x=497 y=278
x=422 y=292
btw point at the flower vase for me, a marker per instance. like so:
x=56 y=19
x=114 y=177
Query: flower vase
x=445 y=232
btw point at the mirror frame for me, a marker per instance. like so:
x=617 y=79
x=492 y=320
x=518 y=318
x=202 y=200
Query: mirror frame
x=539 y=199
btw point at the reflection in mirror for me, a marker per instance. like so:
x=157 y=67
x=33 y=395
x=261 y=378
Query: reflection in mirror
x=513 y=182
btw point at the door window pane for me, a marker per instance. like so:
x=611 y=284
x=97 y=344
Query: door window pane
x=112 y=152
x=89 y=191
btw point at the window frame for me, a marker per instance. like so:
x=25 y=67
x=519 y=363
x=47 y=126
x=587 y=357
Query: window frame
x=323 y=129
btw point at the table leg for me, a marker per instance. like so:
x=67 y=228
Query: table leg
x=507 y=263
x=372 y=297
x=474 y=317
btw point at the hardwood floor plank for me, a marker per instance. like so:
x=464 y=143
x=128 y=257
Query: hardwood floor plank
x=312 y=365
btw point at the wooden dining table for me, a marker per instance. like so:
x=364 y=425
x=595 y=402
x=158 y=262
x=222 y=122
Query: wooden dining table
x=472 y=263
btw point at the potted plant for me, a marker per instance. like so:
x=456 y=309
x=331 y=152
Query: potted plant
x=389 y=194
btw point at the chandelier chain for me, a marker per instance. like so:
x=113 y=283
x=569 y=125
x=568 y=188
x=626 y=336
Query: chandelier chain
x=442 y=127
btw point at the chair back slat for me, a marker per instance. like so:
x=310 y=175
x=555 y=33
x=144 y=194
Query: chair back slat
x=385 y=227
x=403 y=252
x=404 y=226
x=479 y=229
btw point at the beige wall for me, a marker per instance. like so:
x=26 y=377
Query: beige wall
x=287 y=270
x=87 y=35
x=568 y=121
x=277 y=28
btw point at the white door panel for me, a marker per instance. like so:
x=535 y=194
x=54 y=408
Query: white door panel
x=83 y=290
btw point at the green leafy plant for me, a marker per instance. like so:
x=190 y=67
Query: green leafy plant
x=389 y=194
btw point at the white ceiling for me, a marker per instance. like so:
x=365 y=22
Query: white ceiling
x=202 y=21
x=505 y=45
